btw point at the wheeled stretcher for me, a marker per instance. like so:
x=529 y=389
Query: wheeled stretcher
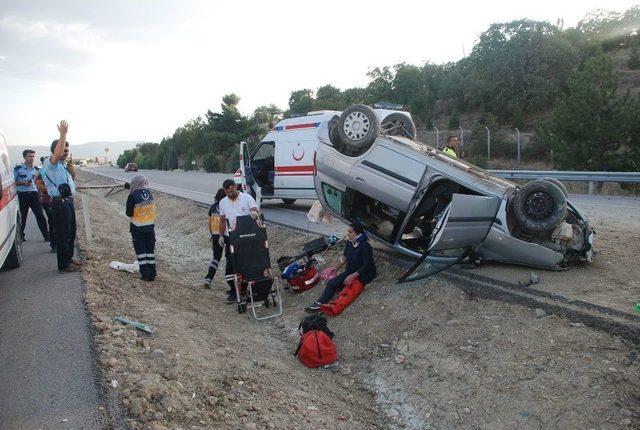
x=255 y=285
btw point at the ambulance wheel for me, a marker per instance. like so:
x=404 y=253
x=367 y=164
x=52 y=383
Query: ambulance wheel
x=15 y=257
x=540 y=206
x=358 y=128
x=398 y=124
x=289 y=201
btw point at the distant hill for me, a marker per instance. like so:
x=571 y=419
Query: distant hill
x=85 y=150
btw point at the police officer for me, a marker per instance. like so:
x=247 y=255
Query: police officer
x=25 y=177
x=60 y=186
x=452 y=147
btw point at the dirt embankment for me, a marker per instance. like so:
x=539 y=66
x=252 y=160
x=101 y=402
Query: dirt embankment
x=419 y=356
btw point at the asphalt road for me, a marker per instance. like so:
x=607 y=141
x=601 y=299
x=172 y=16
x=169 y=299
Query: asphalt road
x=201 y=187
x=47 y=369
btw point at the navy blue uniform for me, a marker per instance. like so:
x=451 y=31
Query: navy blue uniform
x=214 y=228
x=62 y=209
x=28 y=198
x=141 y=209
x=359 y=259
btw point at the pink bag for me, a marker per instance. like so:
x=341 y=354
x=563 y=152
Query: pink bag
x=329 y=273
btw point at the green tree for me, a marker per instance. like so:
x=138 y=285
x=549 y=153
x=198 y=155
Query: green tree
x=454 y=121
x=267 y=116
x=634 y=59
x=171 y=159
x=188 y=160
x=328 y=97
x=210 y=163
x=593 y=127
x=521 y=63
x=301 y=101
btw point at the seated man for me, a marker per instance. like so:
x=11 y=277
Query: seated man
x=358 y=258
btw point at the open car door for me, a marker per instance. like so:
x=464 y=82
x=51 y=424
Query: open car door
x=244 y=175
x=460 y=229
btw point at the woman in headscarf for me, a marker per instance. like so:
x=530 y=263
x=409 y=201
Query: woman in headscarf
x=358 y=259
x=141 y=210
x=215 y=228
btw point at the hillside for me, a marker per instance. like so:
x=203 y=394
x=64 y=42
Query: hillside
x=85 y=150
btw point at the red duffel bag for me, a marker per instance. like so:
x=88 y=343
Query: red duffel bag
x=304 y=281
x=316 y=349
x=347 y=296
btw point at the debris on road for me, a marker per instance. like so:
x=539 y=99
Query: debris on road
x=533 y=280
x=540 y=313
x=126 y=267
x=140 y=326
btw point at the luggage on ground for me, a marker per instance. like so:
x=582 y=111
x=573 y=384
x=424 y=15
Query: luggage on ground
x=347 y=296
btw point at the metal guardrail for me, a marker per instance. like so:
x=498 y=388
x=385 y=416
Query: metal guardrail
x=630 y=177
x=590 y=177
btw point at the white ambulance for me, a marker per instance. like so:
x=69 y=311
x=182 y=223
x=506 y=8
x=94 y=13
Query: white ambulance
x=283 y=164
x=10 y=237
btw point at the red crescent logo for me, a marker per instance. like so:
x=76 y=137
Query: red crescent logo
x=293 y=153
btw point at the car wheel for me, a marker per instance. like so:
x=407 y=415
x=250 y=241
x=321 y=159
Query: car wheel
x=398 y=124
x=289 y=201
x=559 y=184
x=15 y=256
x=540 y=206
x=334 y=138
x=357 y=129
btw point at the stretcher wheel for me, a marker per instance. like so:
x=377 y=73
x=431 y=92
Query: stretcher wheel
x=242 y=308
x=267 y=303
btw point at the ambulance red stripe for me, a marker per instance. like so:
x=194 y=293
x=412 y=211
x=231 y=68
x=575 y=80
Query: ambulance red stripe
x=7 y=195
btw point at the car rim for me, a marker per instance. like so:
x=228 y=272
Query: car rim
x=539 y=206
x=356 y=125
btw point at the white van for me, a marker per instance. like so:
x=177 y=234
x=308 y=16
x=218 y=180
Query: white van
x=283 y=164
x=10 y=237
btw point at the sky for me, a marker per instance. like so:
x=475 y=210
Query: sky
x=138 y=69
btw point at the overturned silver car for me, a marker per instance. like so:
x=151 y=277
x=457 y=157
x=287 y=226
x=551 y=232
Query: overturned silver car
x=441 y=210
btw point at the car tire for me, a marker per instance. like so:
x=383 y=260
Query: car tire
x=15 y=256
x=559 y=184
x=334 y=138
x=289 y=201
x=540 y=206
x=399 y=124
x=358 y=128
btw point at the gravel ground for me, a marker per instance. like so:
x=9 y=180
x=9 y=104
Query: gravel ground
x=418 y=356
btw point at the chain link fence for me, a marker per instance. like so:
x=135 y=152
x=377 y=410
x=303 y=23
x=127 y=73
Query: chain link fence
x=480 y=145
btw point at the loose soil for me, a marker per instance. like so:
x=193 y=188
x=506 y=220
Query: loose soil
x=418 y=356
x=611 y=280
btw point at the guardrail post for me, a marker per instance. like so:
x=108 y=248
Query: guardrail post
x=437 y=136
x=518 y=145
x=590 y=187
x=461 y=140
x=488 y=142
x=87 y=218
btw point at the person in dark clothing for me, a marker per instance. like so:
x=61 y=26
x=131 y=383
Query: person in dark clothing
x=358 y=258
x=25 y=175
x=58 y=178
x=215 y=228
x=45 y=201
x=141 y=209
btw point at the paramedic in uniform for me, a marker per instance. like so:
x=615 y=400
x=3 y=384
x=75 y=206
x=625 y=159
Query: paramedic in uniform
x=235 y=204
x=25 y=178
x=141 y=210
x=214 y=229
x=57 y=177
